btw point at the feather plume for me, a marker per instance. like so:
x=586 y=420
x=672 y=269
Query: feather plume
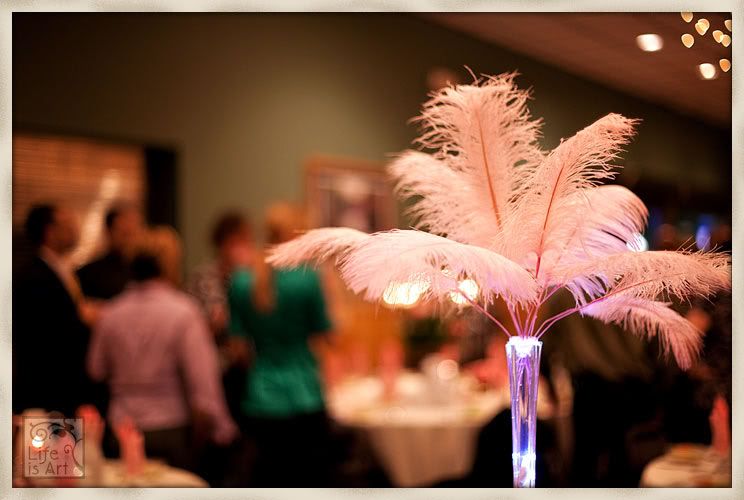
x=603 y=220
x=651 y=274
x=415 y=256
x=650 y=318
x=483 y=133
x=581 y=162
x=449 y=206
x=316 y=245
x=520 y=224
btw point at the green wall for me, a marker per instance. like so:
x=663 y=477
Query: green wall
x=245 y=98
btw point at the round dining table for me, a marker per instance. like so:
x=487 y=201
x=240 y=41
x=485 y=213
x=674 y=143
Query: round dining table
x=688 y=465
x=426 y=432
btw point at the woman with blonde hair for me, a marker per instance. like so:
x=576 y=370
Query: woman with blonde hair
x=153 y=348
x=283 y=407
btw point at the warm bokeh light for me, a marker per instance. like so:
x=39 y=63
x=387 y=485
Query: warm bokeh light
x=37 y=442
x=717 y=35
x=404 y=294
x=688 y=40
x=725 y=40
x=650 y=42
x=725 y=65
x=468 y=287
x=702 y=26
x=686 y=16
x=727 y=22
x=447 y=369
x=707 y=71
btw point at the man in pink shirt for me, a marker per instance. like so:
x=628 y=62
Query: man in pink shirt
x=153 y=347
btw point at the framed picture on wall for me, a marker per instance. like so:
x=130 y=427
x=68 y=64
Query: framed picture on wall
x=348 y=192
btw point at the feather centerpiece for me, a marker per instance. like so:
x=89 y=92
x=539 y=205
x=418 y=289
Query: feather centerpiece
x=521 y=223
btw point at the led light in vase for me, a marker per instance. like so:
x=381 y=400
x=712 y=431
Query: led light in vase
x=527 y=460
x=523 y=362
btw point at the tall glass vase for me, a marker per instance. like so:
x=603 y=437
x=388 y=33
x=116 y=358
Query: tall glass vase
x=523 y=359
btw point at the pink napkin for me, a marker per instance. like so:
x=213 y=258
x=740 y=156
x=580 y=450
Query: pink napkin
x=390 y=363
x=719 y=426
x=131 y=446
x=93 y=424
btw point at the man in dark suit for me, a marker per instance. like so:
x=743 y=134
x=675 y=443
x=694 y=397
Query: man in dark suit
x=107 y=276
x=50 y=332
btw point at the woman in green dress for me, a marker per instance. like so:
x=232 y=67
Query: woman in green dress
x=278 y=311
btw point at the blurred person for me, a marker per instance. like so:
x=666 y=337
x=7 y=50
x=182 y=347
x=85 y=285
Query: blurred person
x=50 y=318
x=616 y=398
x=666 y=237
x=106 y=276
x=233 y=248
x=153 y=347
x=283 y=406
x=721 y=237
x=689 y=396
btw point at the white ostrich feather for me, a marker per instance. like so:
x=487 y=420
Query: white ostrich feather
x=581 y=162
x=415 y=256
x=316 y=245
x=520 y=224
x=650 y=275
x=484 y=135
x=448 y=205
x=650 y=318
x=603 y=220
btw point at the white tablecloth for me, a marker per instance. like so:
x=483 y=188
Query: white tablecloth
x=419 y=439
x=686 y=466
x=155 y=474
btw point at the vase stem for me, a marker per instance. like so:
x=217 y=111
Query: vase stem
x=523 y=358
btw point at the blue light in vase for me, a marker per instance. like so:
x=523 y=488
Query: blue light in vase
x=526 y=460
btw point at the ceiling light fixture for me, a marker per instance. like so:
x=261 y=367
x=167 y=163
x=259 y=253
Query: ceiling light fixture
x=649 y=42
x=707 y=71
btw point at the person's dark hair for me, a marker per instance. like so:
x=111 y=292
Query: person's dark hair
x=145 y=266
x=227 y=225
x=114 y=212
x=39 y=218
